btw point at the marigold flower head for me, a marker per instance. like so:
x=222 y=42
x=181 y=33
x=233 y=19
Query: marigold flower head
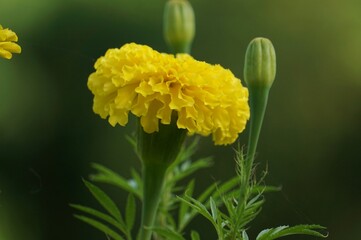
x=205 y=99
x=7 y=43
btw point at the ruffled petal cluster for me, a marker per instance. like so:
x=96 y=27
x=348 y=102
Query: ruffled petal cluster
x=7 y=43
x=205 y=99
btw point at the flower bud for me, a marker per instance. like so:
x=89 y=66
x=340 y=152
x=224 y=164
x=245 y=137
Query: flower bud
x=179 y=25
x=259 y=74
x=260 y=63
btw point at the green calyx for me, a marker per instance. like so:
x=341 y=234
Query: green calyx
x=179 y=25
x=162 y=147
x=260 y=63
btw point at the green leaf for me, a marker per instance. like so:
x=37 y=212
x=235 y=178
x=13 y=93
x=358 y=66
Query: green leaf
x=269 y=233
x=195 y=235
x=100 y=226
x=187 y=168
x=183 y=215
x=132 y=140
x=214 y=209
x=282 y=231
x=253 y=208
x=244 y=235
x=139 y=183
x=199 y=208
x=108 y=176
x=265 y=189
x=225 y=187
x=186 y=152
x=104 y=200
x=207 y=193
x=169 y=219
x=201 y=199
x=167 y=233
x=130 y=212
x=120 y=225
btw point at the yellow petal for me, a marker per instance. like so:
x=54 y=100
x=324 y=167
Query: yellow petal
x=206 y=99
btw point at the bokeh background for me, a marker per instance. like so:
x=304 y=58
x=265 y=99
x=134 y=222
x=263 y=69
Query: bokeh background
x=310 y=141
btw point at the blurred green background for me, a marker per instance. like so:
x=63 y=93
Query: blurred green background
x=49 y=135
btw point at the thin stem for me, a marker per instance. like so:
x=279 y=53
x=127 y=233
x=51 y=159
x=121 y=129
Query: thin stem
x=181 y=48
x=153 y=178
x=258 y=103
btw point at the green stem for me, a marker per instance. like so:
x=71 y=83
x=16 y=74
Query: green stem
x=258 y=103
x=153 y=178
x=181 y=48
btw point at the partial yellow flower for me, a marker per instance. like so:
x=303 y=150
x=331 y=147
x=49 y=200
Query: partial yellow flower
x=7 y=43
x=206 y=99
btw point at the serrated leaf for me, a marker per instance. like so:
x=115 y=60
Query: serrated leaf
x=100 y=226
x=167 y=233
x=268 y=233
x=105 y=175
x=104 y=200
x=195 y=235
x=282 y=231
x=130 y=212
x=199 y=208
x=201 y=199
x=250 y=211
x=249 y=216
x=120 y=225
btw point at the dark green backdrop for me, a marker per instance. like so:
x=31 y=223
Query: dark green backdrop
x=49 y=136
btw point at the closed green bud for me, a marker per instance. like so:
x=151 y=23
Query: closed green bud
x=179 y=25
x=260 y=63
x=259 y=74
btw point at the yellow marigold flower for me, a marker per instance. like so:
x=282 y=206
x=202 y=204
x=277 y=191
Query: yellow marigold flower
x=7 y=43
x=206 y=99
